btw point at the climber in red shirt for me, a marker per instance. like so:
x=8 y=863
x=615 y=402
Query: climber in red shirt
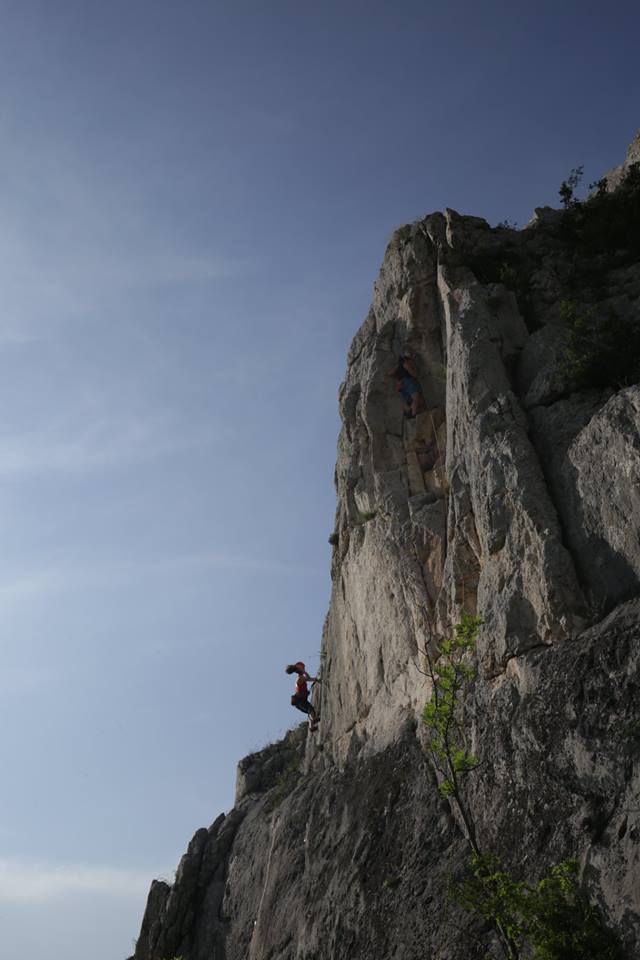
x=300 y=698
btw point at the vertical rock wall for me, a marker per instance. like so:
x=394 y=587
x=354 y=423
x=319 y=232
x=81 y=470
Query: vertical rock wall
x=508 y=496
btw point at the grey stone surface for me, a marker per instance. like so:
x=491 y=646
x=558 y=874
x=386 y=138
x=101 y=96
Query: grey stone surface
x=355 y=861
x=260 y=771
x=509 y=497
x=592 y=459
x=539 y=379
x=614 y=177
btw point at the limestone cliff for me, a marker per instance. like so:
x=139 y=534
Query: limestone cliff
x=514 y=494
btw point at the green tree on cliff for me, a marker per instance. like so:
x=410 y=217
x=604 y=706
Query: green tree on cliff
x=548 y=920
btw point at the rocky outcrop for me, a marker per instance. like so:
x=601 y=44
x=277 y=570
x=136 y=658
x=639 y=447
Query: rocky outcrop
x=511 y=495
x=615 y=177
x=187 y=918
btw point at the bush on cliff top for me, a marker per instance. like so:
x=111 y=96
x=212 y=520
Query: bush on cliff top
x=606 y=221
x=289 y=776
x=600 y=234
x=603 y=349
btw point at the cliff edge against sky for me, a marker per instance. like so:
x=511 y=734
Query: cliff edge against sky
x=513 y=495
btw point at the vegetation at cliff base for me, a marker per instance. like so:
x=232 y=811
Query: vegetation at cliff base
x=551 y=919
x=450 y=675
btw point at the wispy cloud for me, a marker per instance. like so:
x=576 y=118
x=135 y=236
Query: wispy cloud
x=158 y=268
x=249 y=564
x=31 y=882
x=84 y=279
x=59 y=577
x=104 y=266
x=77 y=243
x=79 y=444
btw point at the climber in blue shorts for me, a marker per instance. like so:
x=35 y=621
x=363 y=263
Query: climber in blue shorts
x=407 y=385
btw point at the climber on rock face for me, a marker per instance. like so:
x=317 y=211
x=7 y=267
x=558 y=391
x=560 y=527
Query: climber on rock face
x=300 y=698
x=407 y=385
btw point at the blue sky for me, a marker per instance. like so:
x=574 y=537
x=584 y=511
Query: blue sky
x=195 y=201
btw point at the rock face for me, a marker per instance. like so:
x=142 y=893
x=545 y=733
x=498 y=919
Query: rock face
x=510 y=495
x=615 y=176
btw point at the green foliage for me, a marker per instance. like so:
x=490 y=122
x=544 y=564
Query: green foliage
x=568 y=188
x=489 y=892
x=550 y=920
x=508 y=275
x=603 y=349
x=289 y=776
x=450 y=675
x=632 y=730
x=364 y=517
x=390 y=883
x=285 y=784
x=515 y=274
x=598 y=188
x=602 y=231
x=563 y=925
x=508 y=267
x=486 y=264
x=590 y=239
